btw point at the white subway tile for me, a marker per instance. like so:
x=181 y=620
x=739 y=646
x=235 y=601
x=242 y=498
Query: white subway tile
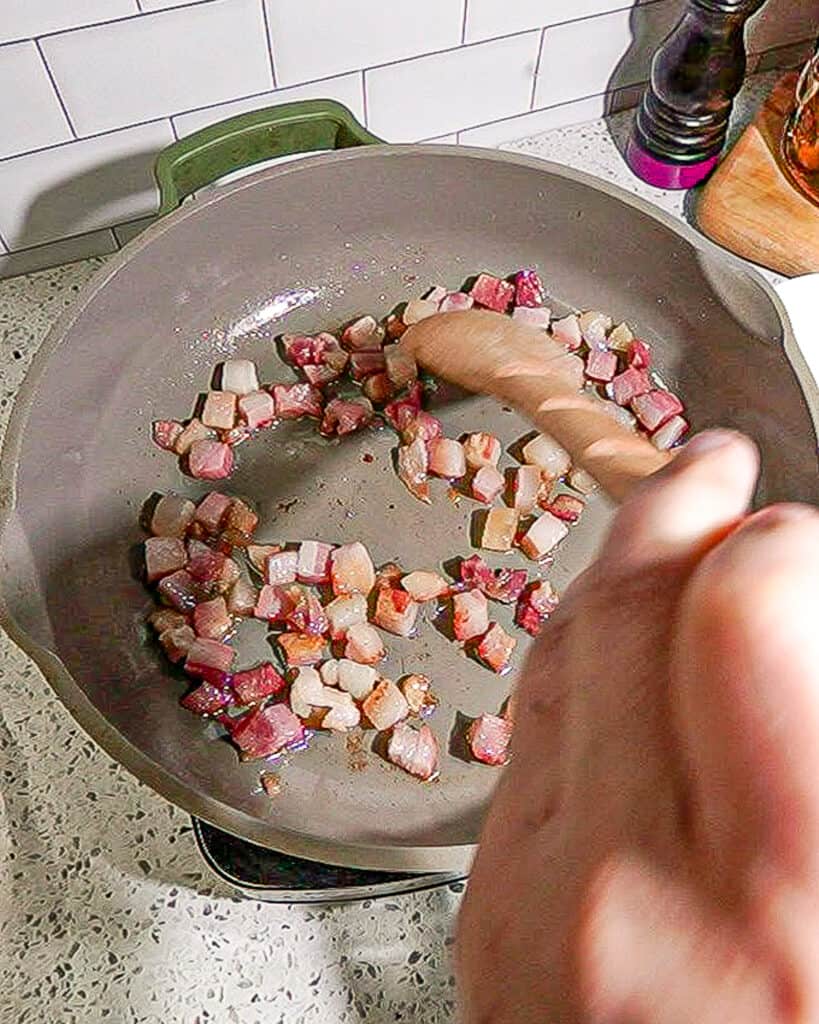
x=67 y=250
x=148 y=67
x=435 y=95
x=163 y=5
x=347 y=89
x=30 y=113
x=80 y=186
x=488 y=19
x=318 y=38
x=24 y=19
x=513 y=128
x=584 y=58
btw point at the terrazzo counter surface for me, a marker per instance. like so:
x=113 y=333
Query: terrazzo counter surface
x=107 y=912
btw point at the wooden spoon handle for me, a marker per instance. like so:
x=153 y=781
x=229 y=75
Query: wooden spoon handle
x=484 y=351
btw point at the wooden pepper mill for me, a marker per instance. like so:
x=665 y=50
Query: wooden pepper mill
x=681 y=124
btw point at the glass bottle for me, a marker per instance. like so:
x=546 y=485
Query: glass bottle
x=800 y=143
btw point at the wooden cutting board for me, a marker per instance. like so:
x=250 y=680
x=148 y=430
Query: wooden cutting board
x=750 y=205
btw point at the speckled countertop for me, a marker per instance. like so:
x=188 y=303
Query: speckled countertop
x=107 y=912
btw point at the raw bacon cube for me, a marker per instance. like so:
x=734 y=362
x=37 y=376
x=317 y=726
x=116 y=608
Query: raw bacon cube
x=414 y=750
x=363 y=364
x=401 y=366
x=655 y=408
x=506 y=585
x=423 y=426
x=385 y=706
x=487 y=484
x=455 y=302
x=499 y=529
x=395 y=327
x=364 y=335
x=313 y=564
x=470 y=614
x=594 y=326
x=219 y=410
x=239 y=376
x=638 y=354
x=536 y=604
x=670 y=433
x=417 y=310
x=363 y=644
x=210 y=460
x=540 y=318
x=620 y=338
x=528 y=289
x=167 y=618
x=266 y=731
x=488 y=737
x=343 y=714
x=180 y=590
x=302 y=650
x=567 y=332
x=164 y=555
x=306 y=691
x=240 y=522
x=412 y=467
x=446 y=458
x=211 y=511
x=601 y=365
x=481 y=449
x=378 y=388
x=543 y=536
x=342 y=417
x=395 y=611
x=566 y=507
x=418 y=694
x=258 y=554
x=207 y=699
x=176 y=642
x=344 y=612
x=545 y=453
x=282 y=567
x=165 y=433
x=257 y=409
x=492 y=293
x=172 y=515
x=256 y=684
x=296 y=400
x=321 y=376
x=269 y=604
x=400 y=412
x=209 y=659
x=474 y=572
x=424 y=586
x=241 y=598
x=352 y=570
x=303 y=611
x=526 y=486
x=495 y=649
x=211 y=619
x=629 y=384
x=194 y=430
x=356 y=679
x=205 y=564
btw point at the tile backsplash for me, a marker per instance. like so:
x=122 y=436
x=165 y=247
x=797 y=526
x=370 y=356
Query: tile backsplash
x=91 y=90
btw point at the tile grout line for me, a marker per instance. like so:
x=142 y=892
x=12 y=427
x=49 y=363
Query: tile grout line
x=139 y=5
x=127 y=17
x=269 y=38
x=53 y=81
x=364 y=105
x=537 y=69
x=463 y=22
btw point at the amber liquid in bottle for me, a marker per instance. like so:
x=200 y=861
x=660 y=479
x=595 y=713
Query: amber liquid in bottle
x=801 y=139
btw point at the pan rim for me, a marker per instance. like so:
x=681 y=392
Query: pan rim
x=386 y=857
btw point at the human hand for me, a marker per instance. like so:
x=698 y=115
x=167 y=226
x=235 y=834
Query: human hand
x=652 y=852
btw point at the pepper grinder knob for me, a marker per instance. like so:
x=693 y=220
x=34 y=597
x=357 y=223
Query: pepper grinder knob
x=682 y=121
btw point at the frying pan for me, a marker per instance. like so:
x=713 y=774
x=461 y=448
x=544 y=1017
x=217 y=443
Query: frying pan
x=303 y=246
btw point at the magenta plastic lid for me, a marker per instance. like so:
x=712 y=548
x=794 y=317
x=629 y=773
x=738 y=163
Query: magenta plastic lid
x=667 y=175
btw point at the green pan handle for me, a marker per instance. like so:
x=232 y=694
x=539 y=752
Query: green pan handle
x=211 y=153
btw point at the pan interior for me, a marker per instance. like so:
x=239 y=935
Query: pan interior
x=304 y=248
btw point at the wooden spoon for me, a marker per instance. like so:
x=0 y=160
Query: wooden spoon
x=491 y=353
